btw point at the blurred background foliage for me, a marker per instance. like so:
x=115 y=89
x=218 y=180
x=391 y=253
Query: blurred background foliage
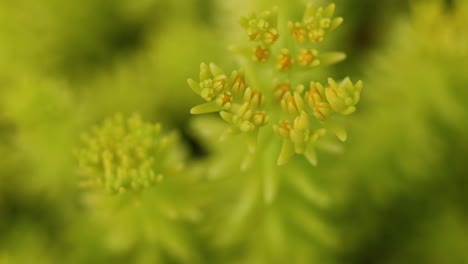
x=397 y=194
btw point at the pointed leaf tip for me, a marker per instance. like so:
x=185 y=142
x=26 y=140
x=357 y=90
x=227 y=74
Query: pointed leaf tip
x=194 y=85
x=332 y=57
x=330 y=10
x=337 y=129
x=209 y=107
x=311 y=155
x=358 y=85
x=336 y=23
x=342 y=135
x=215 y=69
x=287 y=151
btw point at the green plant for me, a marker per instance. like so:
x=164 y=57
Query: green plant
x=259 y=172
x=265 y=104
x=269 y=88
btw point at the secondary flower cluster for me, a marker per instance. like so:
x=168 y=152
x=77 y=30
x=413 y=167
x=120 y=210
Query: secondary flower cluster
x=123 y=154
x=261 y=29
x=316 y=23
x=298 y=135
x=305 y=116
x=238 y=104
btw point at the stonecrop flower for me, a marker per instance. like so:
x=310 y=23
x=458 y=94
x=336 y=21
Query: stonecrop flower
x=238 y=104
x=316 y=23
x=125 y=155
x=268 y=93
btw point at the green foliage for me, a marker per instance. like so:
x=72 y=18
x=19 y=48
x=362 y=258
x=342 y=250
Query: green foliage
x=82 y=184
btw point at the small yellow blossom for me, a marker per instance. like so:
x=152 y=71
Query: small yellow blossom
x=343 y=96
x=316 y=100
x=261 y=53
x=298 y=31
x=284 y=61
x=308 y=57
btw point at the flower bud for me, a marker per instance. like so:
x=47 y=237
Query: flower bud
x=344 y=96
x=292 y=104
x=284 y=61
x=316 y=100
x=212 y=82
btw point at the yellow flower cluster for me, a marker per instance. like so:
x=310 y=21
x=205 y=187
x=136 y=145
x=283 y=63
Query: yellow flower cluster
x=238 y=104
x=123 y=155
x=298 y=135
x=261 y=29
x=303 y=116
x=316 y=23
